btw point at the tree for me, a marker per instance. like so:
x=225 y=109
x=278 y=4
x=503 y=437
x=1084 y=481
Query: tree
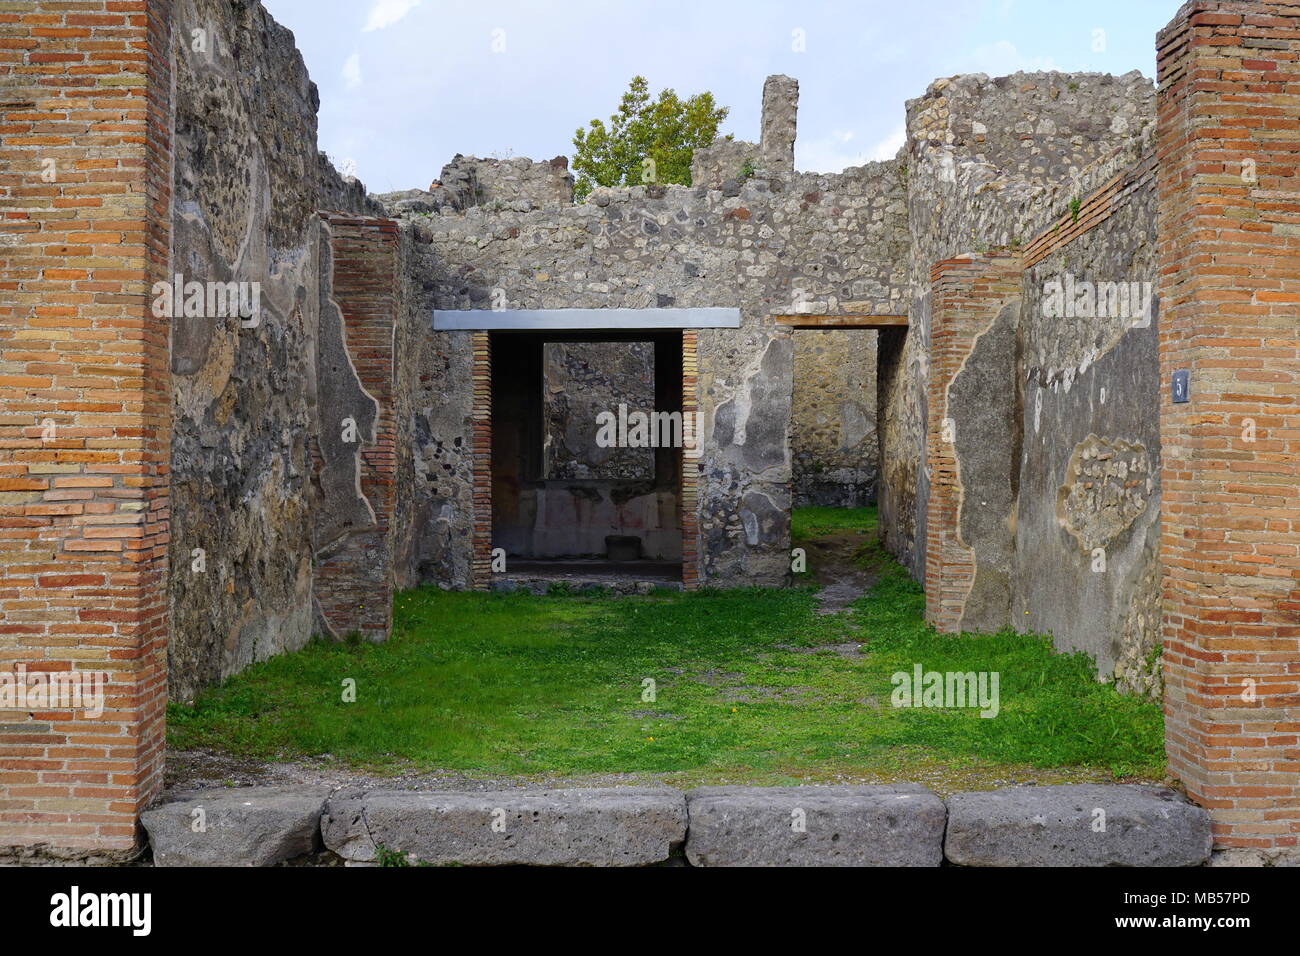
x=646 y=141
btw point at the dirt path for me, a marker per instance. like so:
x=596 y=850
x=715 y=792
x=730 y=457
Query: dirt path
x=843 y=580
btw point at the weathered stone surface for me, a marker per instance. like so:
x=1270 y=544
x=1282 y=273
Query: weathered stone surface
x=990 y=163
x=985 y=443
x=1061 y=826
x=253 y=826
x=247 y=183
x=582 y=381
x=841 y=826
x=780 y=120
x=1087 y=519
x=1238 y=856
x=596 y=827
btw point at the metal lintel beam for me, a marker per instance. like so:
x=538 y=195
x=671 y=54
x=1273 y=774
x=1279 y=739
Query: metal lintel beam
x=561 y=320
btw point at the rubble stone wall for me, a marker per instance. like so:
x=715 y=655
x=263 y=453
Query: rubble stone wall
x=989 y=162
x=764 y=245
x=248 y=181
x=833 y=447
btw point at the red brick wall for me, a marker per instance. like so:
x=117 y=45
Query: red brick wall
x=1229 y=287
x=481 y=420
x=83 y=508
x=354 y=582
x=966 y=294
x=689 y=493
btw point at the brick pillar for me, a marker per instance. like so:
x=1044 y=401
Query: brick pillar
x=689 y=492
x=1229 y=248
x=354 y=579
x=967 y=293
x=85 y=419
x=481 y=422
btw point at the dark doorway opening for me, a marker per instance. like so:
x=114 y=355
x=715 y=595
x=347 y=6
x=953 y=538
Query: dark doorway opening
x=566 y=507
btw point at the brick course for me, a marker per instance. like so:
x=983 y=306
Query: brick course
x=481 y=422
x=967 y=292
x=1229 y=250
x=353 y=582
x=85 y=186
x=689 y=492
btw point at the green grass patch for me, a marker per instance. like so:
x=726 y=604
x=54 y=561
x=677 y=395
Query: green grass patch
x=808 y=523
x=744 y=689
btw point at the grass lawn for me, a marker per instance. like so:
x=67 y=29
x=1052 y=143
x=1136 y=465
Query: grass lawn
x=749 y=685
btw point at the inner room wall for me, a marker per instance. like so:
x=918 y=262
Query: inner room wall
x=833 y=445
x=536 y=517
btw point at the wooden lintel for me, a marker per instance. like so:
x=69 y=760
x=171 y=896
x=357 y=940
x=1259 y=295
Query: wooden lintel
x=845 y=321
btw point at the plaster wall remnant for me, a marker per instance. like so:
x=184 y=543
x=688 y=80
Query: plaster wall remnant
x=248 y=181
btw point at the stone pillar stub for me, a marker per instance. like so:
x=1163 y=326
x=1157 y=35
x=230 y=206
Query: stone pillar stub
x=780 y=116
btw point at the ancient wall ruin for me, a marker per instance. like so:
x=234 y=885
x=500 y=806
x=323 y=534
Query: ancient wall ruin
x=763 y=245
x=249 y=392
x=984 y=159
x=216 y=486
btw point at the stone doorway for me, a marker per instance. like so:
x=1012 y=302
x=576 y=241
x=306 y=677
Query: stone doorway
x=585 y=486
x=834 y=434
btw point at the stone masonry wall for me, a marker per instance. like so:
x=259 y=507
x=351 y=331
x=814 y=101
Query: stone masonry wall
x=248 y=182
x=986 y=163
x=835 y=457
x=834 y=242
x=580 y=381
x=1069 y=197
x=1087 y=515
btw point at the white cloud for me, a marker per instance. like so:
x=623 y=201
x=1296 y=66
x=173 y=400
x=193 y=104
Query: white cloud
x=842 y=148
x=384 y=13
x=352 y=72
x=888 y=147
x=1002 y=58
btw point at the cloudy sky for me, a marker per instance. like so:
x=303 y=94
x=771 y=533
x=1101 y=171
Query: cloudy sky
x=407 y=84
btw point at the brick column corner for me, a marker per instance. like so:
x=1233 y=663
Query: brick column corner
x=481 y=425
x=967 y=292
x=353 y=580
x=85 y=422
x=691 y=462
x=1228 y=140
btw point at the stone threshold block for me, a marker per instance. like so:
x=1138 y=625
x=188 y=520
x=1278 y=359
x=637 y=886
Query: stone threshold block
x=1076 y=825
x=815 y=826
x=248 y=826
x=630 y=826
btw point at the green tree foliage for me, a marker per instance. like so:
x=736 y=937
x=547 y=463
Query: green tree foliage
x=665 y=132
